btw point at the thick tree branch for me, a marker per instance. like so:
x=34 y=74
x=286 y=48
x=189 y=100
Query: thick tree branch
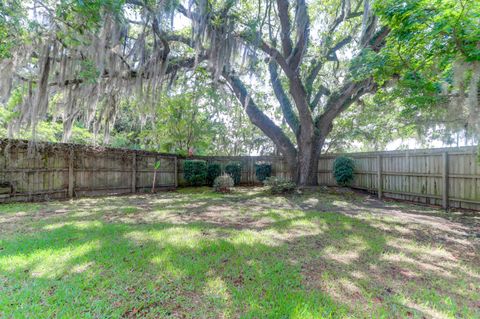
x=345 y=14
x=270 y=51
x=179 y=38
x=285 y=104
x=315 y=69
x=296 y=88
x=299 y=95
x=166 y=47
x=341 y=100
x=351 y=91
x=286 y=28
x=173 y=66
x=331 y=54
x=302 y=22
x=322 y=90
x=317 y=66
x=377 y=40
x=259 y=119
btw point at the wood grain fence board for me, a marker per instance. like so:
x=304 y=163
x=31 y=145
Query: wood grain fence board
x=416 y=175
x=46 y=171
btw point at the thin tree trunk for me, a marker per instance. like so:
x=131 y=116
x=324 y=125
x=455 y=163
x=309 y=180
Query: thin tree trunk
x=154 y=179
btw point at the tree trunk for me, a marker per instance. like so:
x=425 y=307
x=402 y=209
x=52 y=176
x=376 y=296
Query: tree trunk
x=307 y=172
x=307 y=162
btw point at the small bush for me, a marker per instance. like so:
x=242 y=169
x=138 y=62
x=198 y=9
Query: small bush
x=343 y=168
x=195 y=172
x=279 y=185
x=263 y=171
x=223 y=184
x=235 y=171
x=213 y=171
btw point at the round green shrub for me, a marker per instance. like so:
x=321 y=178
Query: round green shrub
x=263 y=171
x=213 y=171
x=235 y=171
x=195 y=172
x=279 y=185
x=223 y=184
x=343 y=168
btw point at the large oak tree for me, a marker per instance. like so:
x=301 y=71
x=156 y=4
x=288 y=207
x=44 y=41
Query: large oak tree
x=315 y=57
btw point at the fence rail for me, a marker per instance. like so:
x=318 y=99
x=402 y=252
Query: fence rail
x=448 y=177
x=59 y=171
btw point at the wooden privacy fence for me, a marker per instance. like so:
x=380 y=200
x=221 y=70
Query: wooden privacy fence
x=58 y=171
x=449 y=177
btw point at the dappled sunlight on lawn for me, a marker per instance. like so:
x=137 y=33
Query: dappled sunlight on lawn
x=217 y=292
x=426 y=309
x=75 y=224
x=172 y=236
x=48 y=262
x=195 y=254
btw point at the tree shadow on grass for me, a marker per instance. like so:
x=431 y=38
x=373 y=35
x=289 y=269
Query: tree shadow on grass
x=415 y=265
x=301 y=264
x=150 y=271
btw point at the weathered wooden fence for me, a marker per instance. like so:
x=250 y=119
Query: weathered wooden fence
x=58 y=171
x=449 y=177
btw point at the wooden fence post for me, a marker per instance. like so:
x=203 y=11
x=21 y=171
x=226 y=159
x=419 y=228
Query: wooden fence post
x=379 y=177
x=134 y=173
x=71 y=175
x=445 y=181
x=252 y=170
x=176 y=171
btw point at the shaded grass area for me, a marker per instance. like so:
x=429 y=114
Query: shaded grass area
x=197 y=254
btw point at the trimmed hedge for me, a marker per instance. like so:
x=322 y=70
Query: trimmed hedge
x=235 y=171
x=195 y=172
x=343 y=168
x=213 y=171
x=263 y=171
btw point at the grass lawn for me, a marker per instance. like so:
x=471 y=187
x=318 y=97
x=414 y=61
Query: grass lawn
x=196 y=254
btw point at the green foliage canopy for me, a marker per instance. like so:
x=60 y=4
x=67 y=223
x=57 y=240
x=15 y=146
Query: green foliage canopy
x=113 y=43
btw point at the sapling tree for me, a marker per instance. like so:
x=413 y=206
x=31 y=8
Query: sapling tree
x=156 y=167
